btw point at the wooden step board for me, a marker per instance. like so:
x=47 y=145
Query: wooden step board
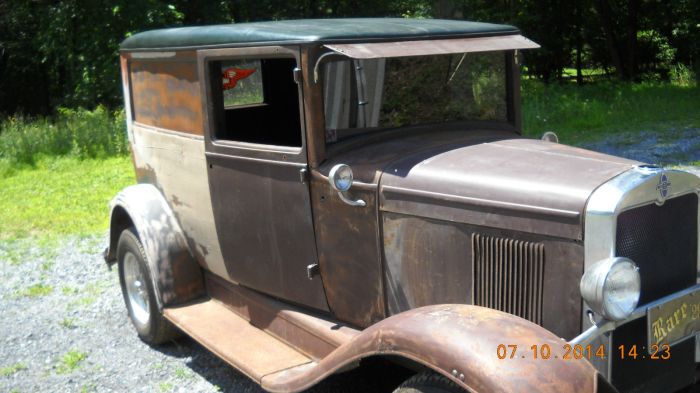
x=235 y=340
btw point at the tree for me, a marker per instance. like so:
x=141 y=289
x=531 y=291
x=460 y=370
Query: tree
x=66 y=53
x=623 y=55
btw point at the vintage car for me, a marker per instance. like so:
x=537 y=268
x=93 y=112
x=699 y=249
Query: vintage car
x=314 y=193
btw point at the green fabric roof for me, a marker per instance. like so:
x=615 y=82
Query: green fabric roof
x=311 y=30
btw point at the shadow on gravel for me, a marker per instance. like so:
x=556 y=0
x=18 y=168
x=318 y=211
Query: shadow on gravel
x=208 y=366
x=375 y=375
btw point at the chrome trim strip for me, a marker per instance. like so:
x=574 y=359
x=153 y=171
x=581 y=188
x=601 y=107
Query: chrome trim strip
x=351 y=202
x=153 y=55
x=633 y=188
x=402 y=193
x=253 y=159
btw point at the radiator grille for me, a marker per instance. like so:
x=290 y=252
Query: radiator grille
x=508 y=275
x=662 y=241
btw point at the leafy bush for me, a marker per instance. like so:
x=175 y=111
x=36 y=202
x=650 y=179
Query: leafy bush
x=74 y=132
x=654 y=50
x=682 y=75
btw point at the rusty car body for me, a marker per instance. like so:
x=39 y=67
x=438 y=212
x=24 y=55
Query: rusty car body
x=313 y=193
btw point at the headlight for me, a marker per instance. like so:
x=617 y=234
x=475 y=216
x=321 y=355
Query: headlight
x=340 y=177
x=611 y=287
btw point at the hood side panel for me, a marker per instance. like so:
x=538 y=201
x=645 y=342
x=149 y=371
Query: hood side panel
x=429 y=262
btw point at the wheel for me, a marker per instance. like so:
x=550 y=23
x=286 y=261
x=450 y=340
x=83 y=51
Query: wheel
x=428 y=383
x=138 y=291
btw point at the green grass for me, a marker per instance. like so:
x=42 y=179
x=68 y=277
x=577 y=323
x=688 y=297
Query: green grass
x=88 y=388
x=586 y=72
x=61 y=195
x=16 y=251
x=588 y=112
x=58 y=174
x=87 y=296
x=12 y=369
x=69 y=323
x=70 y=361
x=182 y=373
x=69 y=291
x=165 y=387
x=36 y=290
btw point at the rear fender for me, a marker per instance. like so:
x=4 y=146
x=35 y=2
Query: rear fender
x=175 y=272
x=459 y=342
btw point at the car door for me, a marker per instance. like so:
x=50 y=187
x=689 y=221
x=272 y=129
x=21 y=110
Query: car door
x=256 y=158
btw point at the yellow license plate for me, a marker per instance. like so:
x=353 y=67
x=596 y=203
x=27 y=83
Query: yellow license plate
x=674 y=320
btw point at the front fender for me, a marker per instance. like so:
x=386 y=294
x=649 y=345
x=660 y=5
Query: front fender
x=459 y=342
x=175 y=272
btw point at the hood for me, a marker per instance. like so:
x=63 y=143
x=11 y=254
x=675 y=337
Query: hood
x=518 y=184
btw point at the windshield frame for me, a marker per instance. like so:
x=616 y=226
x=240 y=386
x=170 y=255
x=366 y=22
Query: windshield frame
x=512 y=123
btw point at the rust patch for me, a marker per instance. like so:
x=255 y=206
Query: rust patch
x=144 y=173
x=457 y=337
x=313 y=335
x=348 y=253
x=234 y=340
x=166 y=94
x=419 y=252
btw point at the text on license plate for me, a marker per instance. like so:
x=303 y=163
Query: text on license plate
x=674 y=320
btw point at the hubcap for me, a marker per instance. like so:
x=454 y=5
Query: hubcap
x=136 y=289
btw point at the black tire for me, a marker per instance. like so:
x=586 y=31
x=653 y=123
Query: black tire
x=429 y=383
x=153 y=329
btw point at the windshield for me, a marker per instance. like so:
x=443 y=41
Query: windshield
x=367 y=95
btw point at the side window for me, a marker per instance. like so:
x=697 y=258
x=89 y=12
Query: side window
x=258 y=101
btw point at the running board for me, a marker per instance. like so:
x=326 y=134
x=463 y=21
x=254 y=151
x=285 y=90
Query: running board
x=313 y=335
x=233 y=339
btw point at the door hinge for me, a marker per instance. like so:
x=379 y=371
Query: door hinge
x=297 y=75
x=312 y=271
x=303 y=175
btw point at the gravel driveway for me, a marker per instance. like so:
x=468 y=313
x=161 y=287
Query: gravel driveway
x=673 y=148
x=64 y=328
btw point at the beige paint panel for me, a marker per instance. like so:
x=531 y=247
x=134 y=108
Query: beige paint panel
x=175 y=163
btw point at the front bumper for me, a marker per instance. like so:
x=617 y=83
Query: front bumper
x=647 y=371
x=604 y=327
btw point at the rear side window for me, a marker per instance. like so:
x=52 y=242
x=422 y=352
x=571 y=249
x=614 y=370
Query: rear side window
x=257 y=101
